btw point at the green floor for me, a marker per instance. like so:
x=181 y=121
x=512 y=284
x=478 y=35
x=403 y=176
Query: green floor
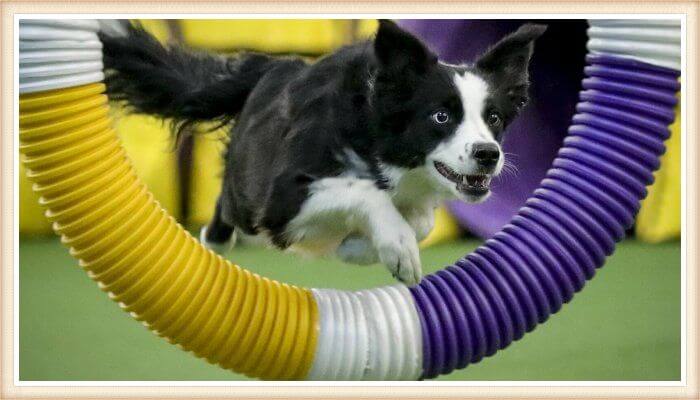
x=625 y=325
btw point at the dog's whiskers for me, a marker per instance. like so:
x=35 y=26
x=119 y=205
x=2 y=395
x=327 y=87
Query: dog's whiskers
x=509 y=170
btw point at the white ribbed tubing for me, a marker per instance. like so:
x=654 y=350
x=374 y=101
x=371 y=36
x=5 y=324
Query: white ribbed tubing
x=56 y=54
x=90 y=25
x=654 y=41
x=372 y=334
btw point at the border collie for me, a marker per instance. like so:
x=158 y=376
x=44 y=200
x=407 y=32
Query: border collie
x=350 y=154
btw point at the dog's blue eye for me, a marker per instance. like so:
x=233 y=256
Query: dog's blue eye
x=494 y=119
x=441 y=117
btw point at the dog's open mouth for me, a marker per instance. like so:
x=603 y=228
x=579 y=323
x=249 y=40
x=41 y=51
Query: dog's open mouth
x=474 y=185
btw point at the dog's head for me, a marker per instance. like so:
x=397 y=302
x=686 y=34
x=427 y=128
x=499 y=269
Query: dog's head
x=448 y=119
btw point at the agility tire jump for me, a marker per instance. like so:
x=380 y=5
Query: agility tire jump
x=246 y=323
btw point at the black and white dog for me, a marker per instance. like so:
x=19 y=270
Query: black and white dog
x=347 y=155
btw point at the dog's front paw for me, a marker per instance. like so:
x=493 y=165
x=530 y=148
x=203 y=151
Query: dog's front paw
x=398 y=250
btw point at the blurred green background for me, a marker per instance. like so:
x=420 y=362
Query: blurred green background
x=624 y=326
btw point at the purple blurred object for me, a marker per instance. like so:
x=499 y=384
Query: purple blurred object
x=533 y=139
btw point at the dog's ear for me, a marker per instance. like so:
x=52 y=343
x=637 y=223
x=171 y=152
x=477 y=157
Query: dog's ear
x=397 y=49
x=508 y=59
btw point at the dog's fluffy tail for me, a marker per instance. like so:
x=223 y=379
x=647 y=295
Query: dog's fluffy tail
x=173 y=83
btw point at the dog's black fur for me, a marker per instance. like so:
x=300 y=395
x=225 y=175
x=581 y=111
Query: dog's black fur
x=295 y=120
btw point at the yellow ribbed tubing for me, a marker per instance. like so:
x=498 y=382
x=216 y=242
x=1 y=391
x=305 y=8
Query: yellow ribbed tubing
x=146 y=261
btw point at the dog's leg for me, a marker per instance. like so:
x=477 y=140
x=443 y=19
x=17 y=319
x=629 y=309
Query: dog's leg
x=369 y=210
x=393 y=239
x=421 y=220
x=218 y=235
x=357 y=249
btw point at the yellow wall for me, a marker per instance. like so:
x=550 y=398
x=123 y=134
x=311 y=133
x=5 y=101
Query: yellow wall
x=659 y=218
x=148 y=140
x=313 y=36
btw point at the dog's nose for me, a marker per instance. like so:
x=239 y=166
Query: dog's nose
x=486 y=154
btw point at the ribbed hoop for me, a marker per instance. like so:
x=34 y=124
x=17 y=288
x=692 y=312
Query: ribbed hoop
x=250 y=324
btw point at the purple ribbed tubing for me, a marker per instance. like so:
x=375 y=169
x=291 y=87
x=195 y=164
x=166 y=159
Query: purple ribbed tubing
x=563 y=233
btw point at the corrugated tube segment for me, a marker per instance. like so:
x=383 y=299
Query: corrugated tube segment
x=147 y=262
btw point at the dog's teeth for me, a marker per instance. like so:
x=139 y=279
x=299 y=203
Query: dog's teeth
x=465 y=181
